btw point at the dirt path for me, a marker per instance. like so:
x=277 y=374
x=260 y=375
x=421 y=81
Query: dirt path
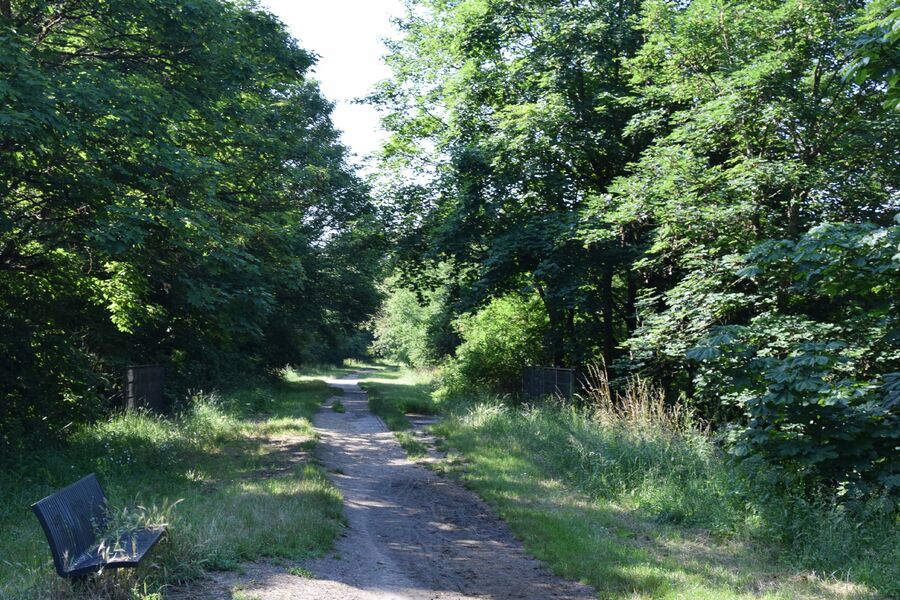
x=411 y=535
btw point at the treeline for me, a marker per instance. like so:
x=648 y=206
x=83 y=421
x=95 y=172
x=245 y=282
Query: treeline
x=704 y=193
x=172 y=190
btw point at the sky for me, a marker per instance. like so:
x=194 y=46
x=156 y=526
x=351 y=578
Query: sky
x=346 y=34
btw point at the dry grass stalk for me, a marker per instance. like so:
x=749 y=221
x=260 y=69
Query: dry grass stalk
x=638 y=402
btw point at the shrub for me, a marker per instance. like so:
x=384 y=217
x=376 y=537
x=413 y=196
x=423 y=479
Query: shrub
x=497 y=342
x=815 y=372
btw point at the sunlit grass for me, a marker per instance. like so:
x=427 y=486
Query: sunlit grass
x=302 y=572
x=645 y=512
x=242 y=498
x=414 y=447
x=395 y=391
x=312 y=373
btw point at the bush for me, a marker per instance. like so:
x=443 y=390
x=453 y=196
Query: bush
x=497 y=342
x=816 y=371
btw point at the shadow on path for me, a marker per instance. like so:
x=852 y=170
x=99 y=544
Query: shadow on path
x=410 y=534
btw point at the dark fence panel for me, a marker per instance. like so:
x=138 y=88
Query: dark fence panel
x=144 y=385
x=548 y=381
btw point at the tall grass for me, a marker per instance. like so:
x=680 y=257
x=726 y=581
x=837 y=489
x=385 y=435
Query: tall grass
x=653 y=472
x=637 y=404
x=237 y=497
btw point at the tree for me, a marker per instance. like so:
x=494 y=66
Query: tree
x=510 y=114
x=173 y=191
x=757 y=135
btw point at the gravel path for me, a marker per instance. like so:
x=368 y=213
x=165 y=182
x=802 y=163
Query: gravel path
x=411 y=535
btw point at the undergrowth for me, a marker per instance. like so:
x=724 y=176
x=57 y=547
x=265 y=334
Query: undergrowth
x=629 y=494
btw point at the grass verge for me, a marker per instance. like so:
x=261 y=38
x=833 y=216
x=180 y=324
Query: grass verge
x=237 y=463
x=394 y=392
x=640 y=511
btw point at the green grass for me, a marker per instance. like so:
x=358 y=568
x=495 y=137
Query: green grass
x=240 y=497
x=394 y=392
x=338 y=407
x=315 y=373
x=301 y=572
x=413 y=446
x=641 y=512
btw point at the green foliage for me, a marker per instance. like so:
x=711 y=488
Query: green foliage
x=506 y=116
x=878 y=49
x=497 y=341
x=815 y=367
x=700 y=192
x=409 y=331
x=173 y=192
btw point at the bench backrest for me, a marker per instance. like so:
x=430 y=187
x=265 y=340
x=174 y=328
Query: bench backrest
x=71 y=519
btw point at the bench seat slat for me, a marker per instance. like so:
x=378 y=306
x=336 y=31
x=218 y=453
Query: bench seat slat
x=128 y=550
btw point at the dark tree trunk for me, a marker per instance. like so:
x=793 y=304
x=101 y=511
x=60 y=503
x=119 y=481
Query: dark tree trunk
x=555 y=343
x=606 y=298
x=557 y=337
x=571 y=342
x=631 y=301
x=6 y=9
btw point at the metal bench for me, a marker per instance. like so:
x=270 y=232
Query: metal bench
x=75 y=519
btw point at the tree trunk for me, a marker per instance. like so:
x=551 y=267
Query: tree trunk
x=794 y=219
x=575 y=353
x=557 y=337
x=797 y=200
x=606 y=298
x=631 y=301
x=6 y=9
x=555 y=344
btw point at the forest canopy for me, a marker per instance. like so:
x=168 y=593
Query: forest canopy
x=700 y=193
x=173 y=191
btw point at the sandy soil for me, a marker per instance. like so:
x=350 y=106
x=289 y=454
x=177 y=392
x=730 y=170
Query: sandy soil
x=411 y=535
